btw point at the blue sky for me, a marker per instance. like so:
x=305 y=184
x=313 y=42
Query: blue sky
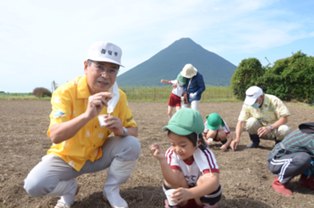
x=44 y=41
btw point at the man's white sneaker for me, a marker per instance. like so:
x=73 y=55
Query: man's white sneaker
x=114 y=198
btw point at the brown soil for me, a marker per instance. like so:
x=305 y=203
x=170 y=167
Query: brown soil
x=245 y=178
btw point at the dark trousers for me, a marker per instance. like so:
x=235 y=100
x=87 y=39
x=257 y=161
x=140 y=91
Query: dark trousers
x=289 y=165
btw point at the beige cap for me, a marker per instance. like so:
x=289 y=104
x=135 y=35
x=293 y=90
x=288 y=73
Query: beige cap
x=188 y=71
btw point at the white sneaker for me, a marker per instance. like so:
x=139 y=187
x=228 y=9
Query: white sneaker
x=114 y=198
x=118 y=173
x=61 y=204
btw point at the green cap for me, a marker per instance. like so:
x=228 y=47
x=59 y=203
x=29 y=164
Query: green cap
x=185 y=121
x=181 y=80
x=214 y=121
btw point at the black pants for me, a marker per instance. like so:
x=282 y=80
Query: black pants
x=288 y=166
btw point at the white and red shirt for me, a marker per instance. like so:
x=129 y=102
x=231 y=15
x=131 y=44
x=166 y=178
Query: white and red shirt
x=224 y=127
x=176 y=88
x=203 y=161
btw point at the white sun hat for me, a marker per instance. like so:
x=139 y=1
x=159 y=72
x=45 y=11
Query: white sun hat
x=188 y=71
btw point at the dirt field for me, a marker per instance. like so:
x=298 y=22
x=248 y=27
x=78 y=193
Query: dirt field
x=245 y=178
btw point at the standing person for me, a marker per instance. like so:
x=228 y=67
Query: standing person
x=217 y=130
x=263 y=116
x=293 y=156
x=176 y=93
x=188 y=166
x=79 y=144
x=194 y=86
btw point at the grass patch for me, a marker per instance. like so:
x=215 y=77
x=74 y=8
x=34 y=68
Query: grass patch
x=161 y=94
x=20 y=96
x=145 y=94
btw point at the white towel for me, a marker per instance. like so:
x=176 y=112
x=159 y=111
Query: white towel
x=115 y=98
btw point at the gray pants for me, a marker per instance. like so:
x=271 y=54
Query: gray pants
x=45 y=176
x=288 y=166
x=193 y=105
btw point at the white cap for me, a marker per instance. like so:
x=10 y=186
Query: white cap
x=105 y=52
x=188 y=71
x=252 y=93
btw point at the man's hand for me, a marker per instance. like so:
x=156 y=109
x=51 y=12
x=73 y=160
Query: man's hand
x=234 y=144
x=114 y=124
x=263 y=131
x=96 y=103
x=193 y=95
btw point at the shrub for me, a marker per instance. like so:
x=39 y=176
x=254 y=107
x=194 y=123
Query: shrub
x=247 y=74
x=292 y=78
x=41 y=92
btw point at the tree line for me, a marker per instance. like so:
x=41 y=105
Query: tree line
x=289 y=79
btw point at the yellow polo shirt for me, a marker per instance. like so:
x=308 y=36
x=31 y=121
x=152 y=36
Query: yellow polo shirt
x=69 y=101
x=271 y=110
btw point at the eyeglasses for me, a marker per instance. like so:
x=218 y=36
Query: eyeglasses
x=100 y=68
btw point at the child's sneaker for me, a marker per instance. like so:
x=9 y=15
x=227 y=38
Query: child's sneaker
x=280 y=188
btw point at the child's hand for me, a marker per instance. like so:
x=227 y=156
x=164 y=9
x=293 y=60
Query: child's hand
x=209 y=141
x=224 y=147
x=181 y=195
x=155 y=150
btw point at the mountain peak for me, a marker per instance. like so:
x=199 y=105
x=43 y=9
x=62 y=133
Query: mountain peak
x=167 y=63
x=185 y=43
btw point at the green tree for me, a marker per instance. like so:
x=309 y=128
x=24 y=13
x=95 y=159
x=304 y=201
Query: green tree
x=291 y=78
x=247 y=74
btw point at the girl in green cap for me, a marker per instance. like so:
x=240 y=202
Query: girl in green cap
x=217 y=130
x=188 y=166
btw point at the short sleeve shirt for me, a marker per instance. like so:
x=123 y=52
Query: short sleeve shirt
x=68 y=102
x=271 y=110
x=178 y=90
x=204 y=161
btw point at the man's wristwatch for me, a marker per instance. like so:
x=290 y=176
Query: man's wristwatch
x=271 y=127
x=125 y=132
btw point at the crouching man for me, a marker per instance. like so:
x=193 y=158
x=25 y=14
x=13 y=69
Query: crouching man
x=80 y=144
x=263 y=116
